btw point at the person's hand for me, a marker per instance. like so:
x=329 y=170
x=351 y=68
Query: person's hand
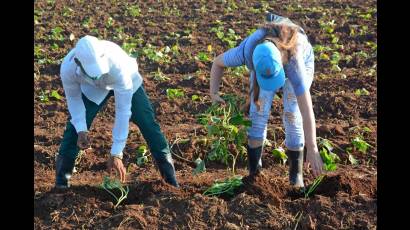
x=116 y=164
x=313 y=158
x=216 y=98
x=82 y=141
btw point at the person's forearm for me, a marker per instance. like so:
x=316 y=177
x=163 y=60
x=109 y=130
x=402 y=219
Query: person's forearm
x=216 y=76
x=308 y=117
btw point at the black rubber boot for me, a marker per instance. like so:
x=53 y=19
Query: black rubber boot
x=64 y=169
x=166 y=168
x=296 y=168
x=254 y=160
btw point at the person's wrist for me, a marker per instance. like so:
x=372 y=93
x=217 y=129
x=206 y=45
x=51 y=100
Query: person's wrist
x=116 y=156
x=312 y=148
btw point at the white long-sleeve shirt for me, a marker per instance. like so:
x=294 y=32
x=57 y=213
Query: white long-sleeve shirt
x=123 y=78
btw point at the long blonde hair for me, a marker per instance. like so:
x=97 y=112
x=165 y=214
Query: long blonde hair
x=285 y=40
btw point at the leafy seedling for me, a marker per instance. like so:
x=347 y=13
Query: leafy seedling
x=360 y=92
x=109 y=185
x=314 y=185
x=202 y=56
x=226 y=187
x=134 y=11
x=280 y=154
x=54 y=94
x=200 y=166
x=329 y=159
x=360 y=144
x=174 y=93
x=195 y=97
x=56 y=34
x=141 y=157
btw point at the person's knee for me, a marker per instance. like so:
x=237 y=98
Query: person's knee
x=255 y=143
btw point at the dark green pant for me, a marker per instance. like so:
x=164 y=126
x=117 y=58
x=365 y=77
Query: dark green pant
x=142 y=115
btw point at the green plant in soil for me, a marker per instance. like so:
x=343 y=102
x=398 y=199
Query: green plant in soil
x=203 y=56
x=329 y=158
x=159 y=76
x=226 y=187
x=56 y=34
x=46 y=95
x=174 y=93
x=360 y=92
x=226 y=129
x=110 y=185
x=141 y=157
x=133 y=11
x=280 y=154
x=314 y=185
x=360 y=144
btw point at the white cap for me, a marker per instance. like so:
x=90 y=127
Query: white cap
x=90 y=52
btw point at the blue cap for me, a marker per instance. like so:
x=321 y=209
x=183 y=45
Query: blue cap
x=267 y=63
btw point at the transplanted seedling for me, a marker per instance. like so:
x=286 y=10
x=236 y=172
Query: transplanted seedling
x=174 y=93
x=226 y=187
x=280 y=154
x=360 y=144
x=226 y=127
x=360 y=92
x=314 y=185
x=329 y=158
x=141 y=157
x=109 y=185
x=203 y=56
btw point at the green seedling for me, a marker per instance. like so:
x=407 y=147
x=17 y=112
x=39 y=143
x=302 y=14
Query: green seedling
x=86 y=22
x=54 y=47
x=195 y=97
x=360 y=92
x=56 y=34
x=239 y=71
x=360 y=144
x=335 y=61
x=159 y=76
x=329 y=159
x=323 y=142
x=202 y=56
x=134 y=11
x=226 y=129
x=320 y=48
x=372 y=45
x=280 y=154
x=46 y=95
x=174 y=93
x=110 y=22
x=314 y=185
x=200 y=166
x=141 y=157
x=328 y=27
x=226 y=187
x=109 y=185
x=54 y=94
x=155 y=55
x=67 y=11
x=324 y=56
x=38 y=52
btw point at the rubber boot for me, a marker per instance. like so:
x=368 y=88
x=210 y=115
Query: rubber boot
x=64 y=169
x=166 y=168
x=254 y=160
x=296 y=168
